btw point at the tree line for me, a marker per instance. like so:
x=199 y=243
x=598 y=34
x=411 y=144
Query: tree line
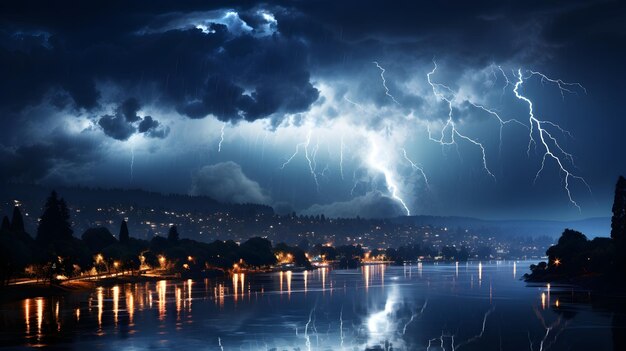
x=600 y=261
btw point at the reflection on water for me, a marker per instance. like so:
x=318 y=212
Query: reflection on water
x=376 y=307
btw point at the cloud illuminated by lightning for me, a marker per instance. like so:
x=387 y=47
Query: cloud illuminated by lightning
x=377 y=161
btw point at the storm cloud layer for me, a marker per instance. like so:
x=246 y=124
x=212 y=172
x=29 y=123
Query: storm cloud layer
x=88 y=88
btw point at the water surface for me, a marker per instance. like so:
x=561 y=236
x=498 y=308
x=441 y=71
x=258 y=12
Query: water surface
x=465 y=306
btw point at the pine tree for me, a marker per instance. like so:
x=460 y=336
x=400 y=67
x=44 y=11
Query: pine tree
x=6 y=225
x=618 y=221
x=172 y=236
x=124 y=235
x=54 y=224
x=17 y=223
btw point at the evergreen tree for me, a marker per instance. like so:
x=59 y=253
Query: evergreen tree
x=6 y=225
x=124 y=235
x=17 y=223
x=618 y=221
x=172 y=236
x=54 y=224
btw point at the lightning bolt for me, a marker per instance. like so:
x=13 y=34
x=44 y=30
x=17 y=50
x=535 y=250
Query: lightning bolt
x=500 y=120
x=132 y=163
x=219 y=145
x=450 y=122
x=341 y=157
x=375 y=162
x=416 y=167
x=382 y=76
x=537 y=127
x=341 y=326
x=563 y=86
x=310 y=161
x=506 y=79
x=359 y=106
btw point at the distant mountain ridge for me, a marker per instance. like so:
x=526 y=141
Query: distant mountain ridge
x=35 y=195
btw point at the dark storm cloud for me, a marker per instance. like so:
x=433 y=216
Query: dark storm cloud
x=226 y=182
x=116 y=127
x=123 y=124
x=36 y=161
x=229 y=72
x=248 y=67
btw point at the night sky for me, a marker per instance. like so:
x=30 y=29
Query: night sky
x=346 y=108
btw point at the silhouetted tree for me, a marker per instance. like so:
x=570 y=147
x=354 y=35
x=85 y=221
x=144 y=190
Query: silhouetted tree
x=6 y=225
x=172 y=235
x=618 y=221
x=257 y=252
x=17 y=222
x=124 y=235
x=97 y=239
x=54 y=224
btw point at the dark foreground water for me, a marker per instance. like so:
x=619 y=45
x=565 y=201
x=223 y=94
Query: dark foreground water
x=474 y=306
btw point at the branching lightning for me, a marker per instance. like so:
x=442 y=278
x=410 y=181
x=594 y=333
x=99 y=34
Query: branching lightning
x=563 y=86
x=382 y=76
x=548 y=142
x=450 y=125
x=416 y=167
x=309 y=158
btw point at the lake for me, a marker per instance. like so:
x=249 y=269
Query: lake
x=464 y=306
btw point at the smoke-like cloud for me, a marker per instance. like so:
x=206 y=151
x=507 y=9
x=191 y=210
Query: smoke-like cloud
x=373 y=204
x=226 y=182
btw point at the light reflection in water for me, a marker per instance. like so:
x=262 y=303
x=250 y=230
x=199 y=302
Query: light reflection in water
x=514 y=270
x=324 y=270
x=236 y=286
x=189 y=285
x=389 y=312
x=116 y=303
x=161 y=292
x=27 y=315
x=39 y=317
x=130 y=306
x=100 y=306
x=280 y=278
x=179 y=299
x=480 y=273
x=305 y=276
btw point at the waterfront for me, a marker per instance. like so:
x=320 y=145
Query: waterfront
x=469 y=306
